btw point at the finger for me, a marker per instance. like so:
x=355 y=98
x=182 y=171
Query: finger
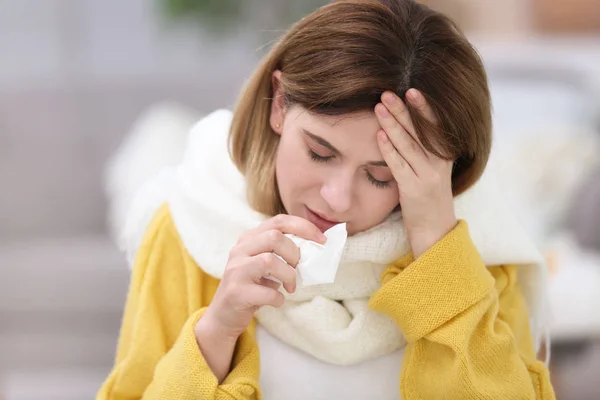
x=404 y=143
x=269 y=283
x=417 y=99
x=268 y=264
x=270 y=241
x=398 y=165
x=295 y=225
x=398 y=108
x=257 y=295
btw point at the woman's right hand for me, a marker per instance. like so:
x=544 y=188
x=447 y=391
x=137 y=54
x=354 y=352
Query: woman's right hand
x=245 y=286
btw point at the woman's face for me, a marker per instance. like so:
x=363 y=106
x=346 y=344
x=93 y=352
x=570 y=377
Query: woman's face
x=330 y=170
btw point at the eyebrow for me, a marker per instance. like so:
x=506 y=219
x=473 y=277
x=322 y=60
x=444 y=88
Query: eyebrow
x=325 y=143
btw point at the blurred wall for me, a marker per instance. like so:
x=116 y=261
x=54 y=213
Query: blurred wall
x=522 y=17
x=75 y=75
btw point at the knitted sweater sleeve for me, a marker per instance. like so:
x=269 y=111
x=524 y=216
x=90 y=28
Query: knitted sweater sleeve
x=466 y=325
x=157 y=355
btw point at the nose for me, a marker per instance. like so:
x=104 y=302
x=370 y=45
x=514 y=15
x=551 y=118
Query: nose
x=337 y=192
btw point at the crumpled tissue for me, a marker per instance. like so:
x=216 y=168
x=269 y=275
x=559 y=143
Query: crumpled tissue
x=319 y=263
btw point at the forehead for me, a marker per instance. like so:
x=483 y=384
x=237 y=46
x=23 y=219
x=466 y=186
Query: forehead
x=358 y=128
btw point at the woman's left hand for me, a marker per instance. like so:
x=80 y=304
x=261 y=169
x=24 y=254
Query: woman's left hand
x=424 y=180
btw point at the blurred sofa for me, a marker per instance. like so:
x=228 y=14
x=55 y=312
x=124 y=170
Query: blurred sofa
x=584 y=213
x=62 y=279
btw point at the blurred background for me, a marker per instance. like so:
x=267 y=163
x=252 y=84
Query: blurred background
x=81 y=79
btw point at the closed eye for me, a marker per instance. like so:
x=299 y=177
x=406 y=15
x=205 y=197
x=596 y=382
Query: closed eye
x=377 y=183
x=318 y=158
x=325 y=159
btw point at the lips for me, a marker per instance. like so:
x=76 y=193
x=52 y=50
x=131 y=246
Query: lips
x=321 y=222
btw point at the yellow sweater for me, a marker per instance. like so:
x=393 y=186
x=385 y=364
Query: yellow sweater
x=466 y=326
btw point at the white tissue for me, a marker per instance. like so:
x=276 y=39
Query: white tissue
x=319 y=263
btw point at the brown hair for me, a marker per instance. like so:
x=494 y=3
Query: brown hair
x=341 y=58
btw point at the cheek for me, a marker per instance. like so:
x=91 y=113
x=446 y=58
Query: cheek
x=294 y=170
x=380 y=201
x=376 y=205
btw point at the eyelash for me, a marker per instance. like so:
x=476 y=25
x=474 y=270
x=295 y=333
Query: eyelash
x=320 y=159
x=378 y=184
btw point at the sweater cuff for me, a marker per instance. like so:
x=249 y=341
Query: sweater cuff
x=443 y=282
x=185 y=365
x=185 y=357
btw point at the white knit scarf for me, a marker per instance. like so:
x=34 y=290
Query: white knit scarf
x=332 y=322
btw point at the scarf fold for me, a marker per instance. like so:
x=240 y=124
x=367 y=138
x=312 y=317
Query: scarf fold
x=332 y=322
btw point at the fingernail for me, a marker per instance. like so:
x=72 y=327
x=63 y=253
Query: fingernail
x=323 y=237
x=413 y=94
x=389 y=98
x=383 y=111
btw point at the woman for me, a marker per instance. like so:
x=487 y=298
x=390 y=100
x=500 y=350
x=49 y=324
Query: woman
x=370 y=113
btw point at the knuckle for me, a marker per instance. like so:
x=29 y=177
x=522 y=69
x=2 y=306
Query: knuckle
x=279 y=220
x=267 y=260
x=275 y=236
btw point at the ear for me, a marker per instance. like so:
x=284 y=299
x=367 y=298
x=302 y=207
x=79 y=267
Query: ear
x=277 y=104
